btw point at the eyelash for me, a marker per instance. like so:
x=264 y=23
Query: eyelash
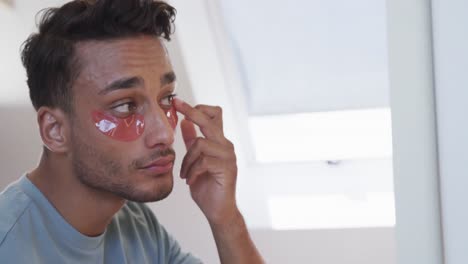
x=132 y=106
x=170 y=98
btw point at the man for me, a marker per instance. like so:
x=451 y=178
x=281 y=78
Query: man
x=102 y=84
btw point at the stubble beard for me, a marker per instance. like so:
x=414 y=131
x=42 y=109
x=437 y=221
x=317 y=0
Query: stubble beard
x=100 y=172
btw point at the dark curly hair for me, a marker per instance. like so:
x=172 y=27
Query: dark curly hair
x=49 y=55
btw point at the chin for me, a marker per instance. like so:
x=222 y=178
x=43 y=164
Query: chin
x=152 y=189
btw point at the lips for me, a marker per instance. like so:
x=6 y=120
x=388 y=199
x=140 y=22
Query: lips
x=161 y=165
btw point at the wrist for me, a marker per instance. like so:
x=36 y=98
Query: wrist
x=233 y=241
x=228 y=222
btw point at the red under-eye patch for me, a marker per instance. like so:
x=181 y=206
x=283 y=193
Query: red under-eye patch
x=171 y=115
x=124 y=129
x=129 y=128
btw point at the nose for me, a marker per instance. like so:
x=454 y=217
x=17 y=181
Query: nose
x=158 y=129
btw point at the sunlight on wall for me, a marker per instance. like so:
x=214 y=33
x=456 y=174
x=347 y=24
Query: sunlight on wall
x=374 y=209
x=337 y=135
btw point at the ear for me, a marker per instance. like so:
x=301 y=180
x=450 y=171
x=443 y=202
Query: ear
x=54 y=128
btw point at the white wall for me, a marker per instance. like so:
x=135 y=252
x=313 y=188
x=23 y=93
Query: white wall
x=20 y=145
x=418 y=226
x=450 y=18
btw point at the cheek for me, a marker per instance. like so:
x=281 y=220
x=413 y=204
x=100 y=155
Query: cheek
x=172 y=117
x=122 y=129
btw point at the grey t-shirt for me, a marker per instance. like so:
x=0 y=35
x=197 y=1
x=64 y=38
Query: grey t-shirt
x=32 y=231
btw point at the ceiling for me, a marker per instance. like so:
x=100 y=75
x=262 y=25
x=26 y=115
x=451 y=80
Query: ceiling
x=310 y=55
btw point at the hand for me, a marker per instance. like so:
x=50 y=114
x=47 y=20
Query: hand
x=210 y=170
x=209 y=167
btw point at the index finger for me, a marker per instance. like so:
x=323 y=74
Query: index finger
x=191 y=113
x=207 y=127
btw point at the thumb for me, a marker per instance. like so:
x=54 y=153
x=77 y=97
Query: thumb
x=189 y=134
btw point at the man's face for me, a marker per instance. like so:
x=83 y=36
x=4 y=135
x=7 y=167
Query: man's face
x=120 y=79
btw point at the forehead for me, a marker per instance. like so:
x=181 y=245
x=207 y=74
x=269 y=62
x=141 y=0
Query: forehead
x=101 y=62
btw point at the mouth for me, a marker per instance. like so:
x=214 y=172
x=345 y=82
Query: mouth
x=161 y=165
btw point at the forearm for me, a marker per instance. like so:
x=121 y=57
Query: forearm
x=234 y=243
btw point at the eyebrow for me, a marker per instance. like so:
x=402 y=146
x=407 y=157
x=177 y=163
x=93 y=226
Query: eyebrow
x=168 y=78
x=135 y=81
x=124 y=83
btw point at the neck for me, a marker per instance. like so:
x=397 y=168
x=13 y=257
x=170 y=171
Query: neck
x=87 y=209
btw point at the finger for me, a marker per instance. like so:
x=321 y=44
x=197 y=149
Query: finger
x=208 y=128
x=203 y=166
x=189 y=134
x=191 y=113
x=204 y=147
x=213 y=112
x=210 y=110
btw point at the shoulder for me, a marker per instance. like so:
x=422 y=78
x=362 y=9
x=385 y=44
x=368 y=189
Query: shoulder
x=13 y=203
x=144 y=224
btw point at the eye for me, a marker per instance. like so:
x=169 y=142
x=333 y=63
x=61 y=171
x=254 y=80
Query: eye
x=125 y=108
x=166 y=101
